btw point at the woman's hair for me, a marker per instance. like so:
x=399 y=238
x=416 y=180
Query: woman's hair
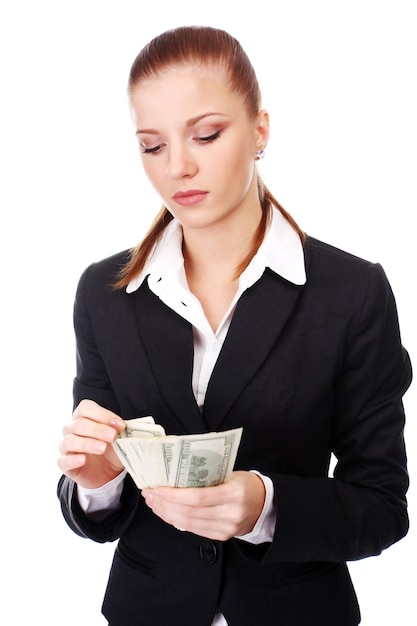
x=206 y=46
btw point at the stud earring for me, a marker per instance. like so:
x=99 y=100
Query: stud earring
x=260 y=155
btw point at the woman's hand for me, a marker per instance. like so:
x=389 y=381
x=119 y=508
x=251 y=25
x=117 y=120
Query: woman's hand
x=87 y=455
x=228 y=510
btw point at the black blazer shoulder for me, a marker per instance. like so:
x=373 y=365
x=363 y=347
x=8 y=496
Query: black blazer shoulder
x=320 y=257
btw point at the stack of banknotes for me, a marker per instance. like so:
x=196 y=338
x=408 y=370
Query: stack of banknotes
x=154 y=459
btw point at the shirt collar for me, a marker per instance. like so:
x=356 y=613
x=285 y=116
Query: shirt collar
x=281 y=251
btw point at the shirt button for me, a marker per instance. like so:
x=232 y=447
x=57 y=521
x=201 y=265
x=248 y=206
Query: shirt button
x=208 y=551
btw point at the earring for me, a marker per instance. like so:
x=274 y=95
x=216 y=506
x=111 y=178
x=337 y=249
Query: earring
x=260 y=155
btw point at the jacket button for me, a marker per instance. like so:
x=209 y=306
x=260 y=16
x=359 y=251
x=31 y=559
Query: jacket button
x=208 y=551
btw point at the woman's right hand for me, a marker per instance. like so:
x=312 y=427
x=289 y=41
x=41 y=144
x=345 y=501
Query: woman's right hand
x=87 y=455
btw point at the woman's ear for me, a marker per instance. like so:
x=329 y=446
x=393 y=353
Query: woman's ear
x=262 y=129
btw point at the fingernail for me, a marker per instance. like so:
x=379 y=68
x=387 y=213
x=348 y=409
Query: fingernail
x=107 y=434
x=149 y=501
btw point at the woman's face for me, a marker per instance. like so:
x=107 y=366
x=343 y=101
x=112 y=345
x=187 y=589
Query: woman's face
x=198 y=145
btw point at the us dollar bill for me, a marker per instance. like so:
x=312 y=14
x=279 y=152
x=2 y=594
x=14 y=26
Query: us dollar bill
x=154 y=459
x=142 y=427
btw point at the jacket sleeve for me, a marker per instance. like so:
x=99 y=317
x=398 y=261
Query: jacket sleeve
x=362 y=509
x=108 y=529
x=92 y=382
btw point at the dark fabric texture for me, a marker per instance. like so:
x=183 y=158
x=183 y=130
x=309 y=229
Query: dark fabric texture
x=305 y=371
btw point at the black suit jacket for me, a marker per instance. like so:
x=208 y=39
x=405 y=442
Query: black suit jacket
x=306 y=371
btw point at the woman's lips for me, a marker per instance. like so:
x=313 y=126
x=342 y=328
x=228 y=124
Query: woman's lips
x=190 y=197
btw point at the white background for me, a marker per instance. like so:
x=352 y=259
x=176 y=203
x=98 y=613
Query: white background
x=339 y=80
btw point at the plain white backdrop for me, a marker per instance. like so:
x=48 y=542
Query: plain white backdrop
x=339 y=81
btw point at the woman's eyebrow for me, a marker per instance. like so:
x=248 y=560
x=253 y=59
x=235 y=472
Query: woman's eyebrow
x=195 y=120
x=189 y=123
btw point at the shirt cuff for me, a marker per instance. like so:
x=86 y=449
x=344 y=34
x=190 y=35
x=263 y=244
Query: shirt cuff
x=265 y=526
x=105 y=498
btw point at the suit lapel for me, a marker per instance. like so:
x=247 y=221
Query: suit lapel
x=259 y=318
x=168 y=340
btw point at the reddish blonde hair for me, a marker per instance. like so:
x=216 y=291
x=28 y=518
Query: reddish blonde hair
x=206 y=46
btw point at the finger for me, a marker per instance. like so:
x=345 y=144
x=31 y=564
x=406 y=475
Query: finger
x=73 y=444
x=186 y=515
x=192 y=496
x=85 y=427
x=97 y=413
x=214 y=522
x=71 y=462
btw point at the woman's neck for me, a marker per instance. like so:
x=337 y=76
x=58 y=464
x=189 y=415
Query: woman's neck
x=211 y=258
x=219 y=250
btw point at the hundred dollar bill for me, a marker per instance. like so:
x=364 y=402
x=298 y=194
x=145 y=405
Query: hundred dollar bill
x=142 y=427
x=153 y=458
x=204 y=460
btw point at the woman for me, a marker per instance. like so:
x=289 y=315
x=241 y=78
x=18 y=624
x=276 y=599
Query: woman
x=227 y=315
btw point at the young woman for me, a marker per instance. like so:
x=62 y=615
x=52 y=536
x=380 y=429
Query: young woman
x=227 y=315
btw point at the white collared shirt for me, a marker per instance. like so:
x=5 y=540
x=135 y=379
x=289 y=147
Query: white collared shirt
x=282 y=252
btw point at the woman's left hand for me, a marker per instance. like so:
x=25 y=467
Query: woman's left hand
x=219 y=513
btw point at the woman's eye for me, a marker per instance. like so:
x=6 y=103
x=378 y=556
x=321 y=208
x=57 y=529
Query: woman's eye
x=151 y=150
x=209 y=138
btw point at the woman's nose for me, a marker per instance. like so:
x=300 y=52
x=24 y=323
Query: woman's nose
x=180 y=163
